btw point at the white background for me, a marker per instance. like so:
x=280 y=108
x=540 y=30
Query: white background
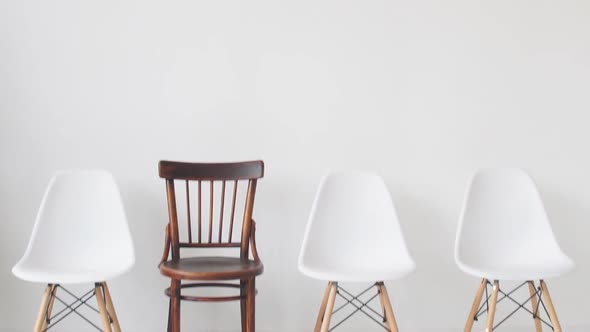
x=423 y=92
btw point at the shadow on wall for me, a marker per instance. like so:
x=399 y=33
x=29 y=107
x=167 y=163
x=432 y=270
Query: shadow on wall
x=570 y=220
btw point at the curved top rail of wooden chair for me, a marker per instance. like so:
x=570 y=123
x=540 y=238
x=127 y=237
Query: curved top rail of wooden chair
x=211 y=171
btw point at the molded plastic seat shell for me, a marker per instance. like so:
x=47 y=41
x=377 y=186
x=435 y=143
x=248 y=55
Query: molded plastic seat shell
x=353 y=233
x=80 y=234
x=504 y=232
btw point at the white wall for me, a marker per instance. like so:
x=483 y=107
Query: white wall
x=424 y=92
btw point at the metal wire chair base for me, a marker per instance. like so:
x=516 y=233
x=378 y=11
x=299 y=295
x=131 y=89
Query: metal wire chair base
x=484 y=308
x=359 y=305
x=70 y=308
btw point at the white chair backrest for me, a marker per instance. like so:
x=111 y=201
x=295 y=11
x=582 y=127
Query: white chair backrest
x=81 y=224
x=353 y=225
x=503 y=219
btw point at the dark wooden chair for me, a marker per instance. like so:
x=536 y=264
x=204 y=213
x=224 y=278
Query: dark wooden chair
x=211 y=181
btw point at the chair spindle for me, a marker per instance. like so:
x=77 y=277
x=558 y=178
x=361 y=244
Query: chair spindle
x=233 y=209
x=188 y=214
x=221 y=210
x=199 y=205
x=210 y=211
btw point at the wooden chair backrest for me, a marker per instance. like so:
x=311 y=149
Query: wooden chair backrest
x=210 y=216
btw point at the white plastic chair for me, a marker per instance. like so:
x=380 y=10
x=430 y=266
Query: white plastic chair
x=80 y=236
x=353 y=235
x=504 y=234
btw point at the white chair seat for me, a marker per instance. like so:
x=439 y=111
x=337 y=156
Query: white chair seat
x=80 y=236
x=514 y=271
x=504 y=232
x=370 y=274
x=64 y=275
x=353 y=233
x=81 y=233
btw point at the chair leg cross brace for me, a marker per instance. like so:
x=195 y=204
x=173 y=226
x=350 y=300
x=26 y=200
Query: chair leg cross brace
x=350 y=301
x=46 y=320
x=488 y=297
x=72 y=308
x=359 y=305
x=536 y=298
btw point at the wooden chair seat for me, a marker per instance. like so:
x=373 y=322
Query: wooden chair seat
x=211 y=268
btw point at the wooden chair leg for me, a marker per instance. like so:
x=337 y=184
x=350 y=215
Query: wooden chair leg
x=475 y=305
x=534 y=303
x=329 y=307
x=42 y=316
x=169 y=327
x=550 y=307
x=49 y=307
x=321 y=312
x=493 y=301
x=102 y=308
x=111 y=308
x=243 y=293
x=251 y=305
x=175 y=307
x=381 y=302
x=389 y=316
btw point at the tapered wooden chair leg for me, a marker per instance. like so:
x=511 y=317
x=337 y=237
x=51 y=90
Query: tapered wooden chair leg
x=322 y=310
x=534 y=304
x=550 y=307
x=49 y=307
x=329 y=307
x=389 y=316
x=381 y=302
x=175 y=307
x=111 y=308
x=102 y=308
x=42 y=316
x=475 y=305
x=243 y=294
x=493 y=302
x=169 y=327
x=251 y=306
